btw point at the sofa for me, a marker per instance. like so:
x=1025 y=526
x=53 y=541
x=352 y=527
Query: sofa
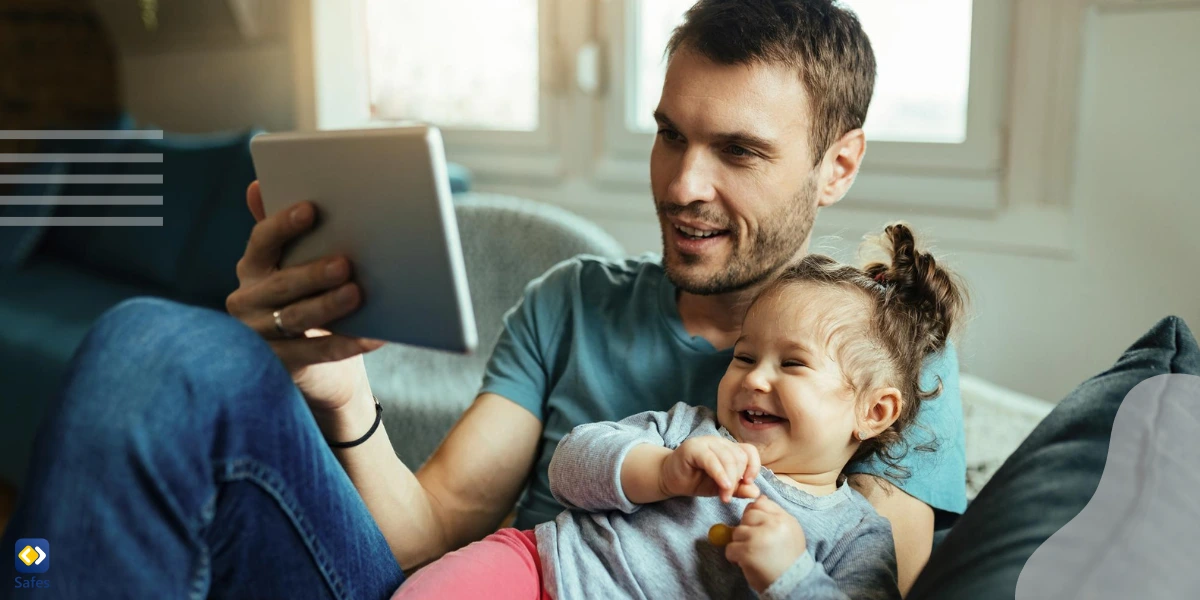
x=54 y=281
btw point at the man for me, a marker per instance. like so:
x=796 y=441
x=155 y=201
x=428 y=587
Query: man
x=759 y=127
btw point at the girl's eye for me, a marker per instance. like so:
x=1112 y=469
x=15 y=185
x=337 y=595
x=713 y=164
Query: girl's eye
x=792 y=363
x=742 y=358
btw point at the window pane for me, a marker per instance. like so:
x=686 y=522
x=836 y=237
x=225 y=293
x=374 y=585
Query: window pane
x=455 y=63
x=922 y=48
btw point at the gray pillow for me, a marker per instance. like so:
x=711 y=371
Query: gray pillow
x=1050 y=478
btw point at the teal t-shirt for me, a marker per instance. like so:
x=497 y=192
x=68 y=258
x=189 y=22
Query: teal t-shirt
x=599 y=340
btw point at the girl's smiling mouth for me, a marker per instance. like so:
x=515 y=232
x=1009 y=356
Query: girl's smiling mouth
x=756 y=419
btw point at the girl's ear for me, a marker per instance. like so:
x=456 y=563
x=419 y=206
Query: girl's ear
x=883 y=408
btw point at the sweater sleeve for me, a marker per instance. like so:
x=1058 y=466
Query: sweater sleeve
x=862 y=567
x=585 y=473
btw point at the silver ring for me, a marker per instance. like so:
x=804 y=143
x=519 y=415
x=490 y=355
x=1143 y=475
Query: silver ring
x=279 y=325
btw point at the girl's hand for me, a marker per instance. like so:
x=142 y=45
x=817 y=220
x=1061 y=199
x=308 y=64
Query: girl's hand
x=765 y=543
x=711 y=466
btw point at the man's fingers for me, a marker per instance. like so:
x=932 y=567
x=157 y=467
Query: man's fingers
x=306 y=314
x=301 y=281
x=268 y=238
x=301 y=352
x=254 y=201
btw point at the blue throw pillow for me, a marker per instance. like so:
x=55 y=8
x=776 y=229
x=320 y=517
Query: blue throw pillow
x=208 y=270
x=195 y=170
x=1050 y=477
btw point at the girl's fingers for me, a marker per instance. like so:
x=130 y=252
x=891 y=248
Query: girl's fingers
x=733 y=472
x=747 y=490
x=741 y=533
x=716 y=471
x=736 y=552
x=753 y=462
x=751 y=518
x=764 y=505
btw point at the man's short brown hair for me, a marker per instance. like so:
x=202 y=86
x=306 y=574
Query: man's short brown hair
x=820 y=38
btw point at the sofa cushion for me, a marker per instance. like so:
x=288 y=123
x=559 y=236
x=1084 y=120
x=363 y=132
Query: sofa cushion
x=1050 y=478
x=46 y=307
x=208 y=270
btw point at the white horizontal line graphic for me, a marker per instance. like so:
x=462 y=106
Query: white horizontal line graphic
x=81 y=221
x=99 y=157
x=52 y=179
x=82 y=200
x=80 y=134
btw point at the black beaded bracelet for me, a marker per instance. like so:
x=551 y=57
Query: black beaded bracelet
x=370 y=432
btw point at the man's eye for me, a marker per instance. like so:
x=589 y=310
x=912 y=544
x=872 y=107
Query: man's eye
x=738 y=151
x=669 y=135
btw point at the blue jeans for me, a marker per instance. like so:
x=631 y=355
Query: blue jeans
x=180 y=461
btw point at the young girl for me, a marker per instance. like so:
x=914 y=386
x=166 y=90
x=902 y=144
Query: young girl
x=826 y=372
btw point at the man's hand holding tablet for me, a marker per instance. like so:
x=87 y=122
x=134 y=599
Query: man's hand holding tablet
x=356 y=236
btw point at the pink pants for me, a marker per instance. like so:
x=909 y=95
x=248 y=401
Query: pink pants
x=502 y=566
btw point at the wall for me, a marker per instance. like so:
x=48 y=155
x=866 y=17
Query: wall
x=59 y=69
x=197 y=71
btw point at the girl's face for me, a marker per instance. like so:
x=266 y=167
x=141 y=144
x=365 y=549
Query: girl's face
x=784 y=366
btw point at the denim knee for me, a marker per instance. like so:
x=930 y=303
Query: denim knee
x=148 y=325
x=151 y=354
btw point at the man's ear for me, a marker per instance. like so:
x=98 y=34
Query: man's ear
x=883 y=408
x=840 y=166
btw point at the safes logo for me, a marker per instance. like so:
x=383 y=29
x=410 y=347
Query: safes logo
x=33 y=555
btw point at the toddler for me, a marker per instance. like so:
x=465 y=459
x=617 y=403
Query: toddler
x=825 y=372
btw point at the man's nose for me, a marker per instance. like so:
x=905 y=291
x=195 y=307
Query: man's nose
x=694 y=181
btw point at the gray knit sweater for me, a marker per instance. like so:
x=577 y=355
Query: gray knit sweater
x=607 y=547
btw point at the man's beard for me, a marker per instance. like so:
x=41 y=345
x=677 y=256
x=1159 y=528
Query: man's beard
x=751 y=261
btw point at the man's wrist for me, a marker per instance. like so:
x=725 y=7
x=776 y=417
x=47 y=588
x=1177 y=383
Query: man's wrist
x=348 y=421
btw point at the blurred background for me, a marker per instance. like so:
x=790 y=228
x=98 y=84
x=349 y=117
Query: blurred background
x=1049 y=148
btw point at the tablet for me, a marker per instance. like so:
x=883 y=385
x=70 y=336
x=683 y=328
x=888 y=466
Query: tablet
x=383 y=200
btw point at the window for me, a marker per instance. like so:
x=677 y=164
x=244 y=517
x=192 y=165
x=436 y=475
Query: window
x=420 y=69
x=921 y=88
x=476 y=69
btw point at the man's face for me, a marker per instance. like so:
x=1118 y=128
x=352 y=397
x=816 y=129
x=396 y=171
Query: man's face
x=731 y=172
